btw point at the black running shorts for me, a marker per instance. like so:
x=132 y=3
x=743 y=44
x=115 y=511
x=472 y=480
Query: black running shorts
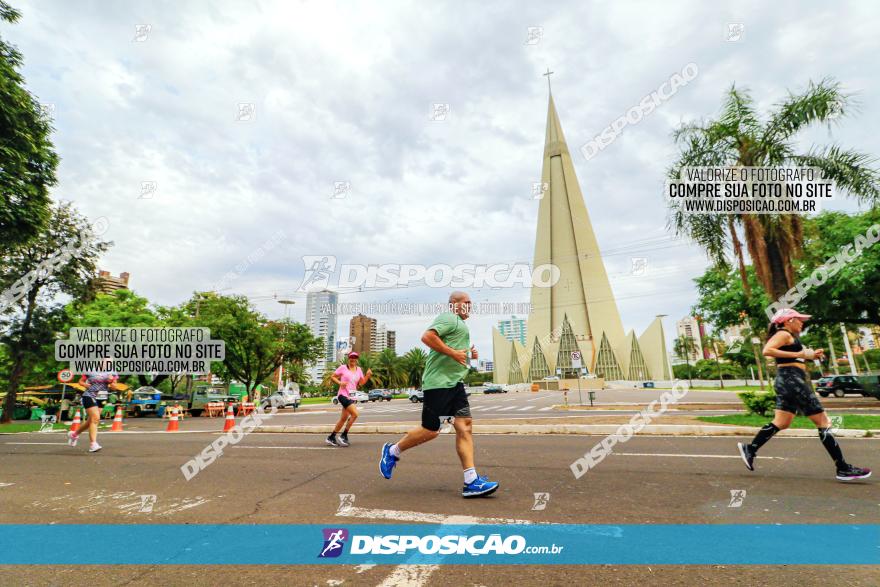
x=90 y=402
x=345 y=401
x=448 y=401
x=794 y=394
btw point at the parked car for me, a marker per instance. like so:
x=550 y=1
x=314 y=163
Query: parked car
x=494 y=388
x=416 y=395
x=378 y=395
x=283 y=398
x=839 y=385
x=871 y=385
x=358 y=396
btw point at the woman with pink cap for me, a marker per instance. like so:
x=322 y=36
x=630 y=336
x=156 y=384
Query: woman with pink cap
x=794 y=393
x=348 y=377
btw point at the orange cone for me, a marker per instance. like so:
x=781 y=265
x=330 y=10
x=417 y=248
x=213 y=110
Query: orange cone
x=117 y=421
x=173 y=425
x=230 y=420
x=76 y=421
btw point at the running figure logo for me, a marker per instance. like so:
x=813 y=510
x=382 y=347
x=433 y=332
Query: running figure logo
x=737 y=497
x=541 y=501
x=334 y=540
x=318 y=269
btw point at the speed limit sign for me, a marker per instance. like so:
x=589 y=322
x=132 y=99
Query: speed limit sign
x=65 y=376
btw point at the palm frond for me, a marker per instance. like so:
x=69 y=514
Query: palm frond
x=850 y=170
x=821 y=102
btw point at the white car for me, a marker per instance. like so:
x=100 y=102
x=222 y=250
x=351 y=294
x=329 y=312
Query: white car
x=358 y=396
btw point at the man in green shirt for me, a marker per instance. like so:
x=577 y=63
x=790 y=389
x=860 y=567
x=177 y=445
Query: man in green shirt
x=444 y=395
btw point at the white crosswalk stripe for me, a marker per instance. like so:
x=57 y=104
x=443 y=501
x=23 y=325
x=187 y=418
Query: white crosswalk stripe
x=526 y=408
x=506 y=408
x=547 y=409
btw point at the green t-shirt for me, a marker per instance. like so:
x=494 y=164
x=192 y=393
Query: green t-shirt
x=442 y=370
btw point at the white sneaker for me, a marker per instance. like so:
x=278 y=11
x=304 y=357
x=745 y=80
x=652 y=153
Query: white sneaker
x=94 y=447
x=72 y=439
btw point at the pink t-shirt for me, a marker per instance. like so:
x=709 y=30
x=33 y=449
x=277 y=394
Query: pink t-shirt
x=349 y=379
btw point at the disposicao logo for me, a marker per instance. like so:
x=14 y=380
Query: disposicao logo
x=334 y=541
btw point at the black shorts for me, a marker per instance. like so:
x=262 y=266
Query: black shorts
x=345 y=401
x=90 y=402
x=794 y=394
x=447 y=401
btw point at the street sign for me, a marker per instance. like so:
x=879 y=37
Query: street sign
x=576 y=359
x=65 y=376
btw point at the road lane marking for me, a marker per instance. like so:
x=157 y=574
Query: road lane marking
x=526 y=408
x=409 y=576
x=547 y=409
x=6 y=484
x=405 y=516
x=657 y=454
x=506 y=408
x=290 y=447
x=51 y=443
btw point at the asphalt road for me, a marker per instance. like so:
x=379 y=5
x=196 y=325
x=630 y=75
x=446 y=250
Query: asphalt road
x=292 y=478
x=510 y=406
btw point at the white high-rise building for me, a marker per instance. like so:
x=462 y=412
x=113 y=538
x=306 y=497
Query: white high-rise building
x=689 y=327
x=321 y=320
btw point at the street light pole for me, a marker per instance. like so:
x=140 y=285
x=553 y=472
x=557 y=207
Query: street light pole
x=287 y=304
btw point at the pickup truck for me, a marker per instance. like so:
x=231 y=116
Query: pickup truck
x=199 y=396
x=144 y=402
x=283 y=398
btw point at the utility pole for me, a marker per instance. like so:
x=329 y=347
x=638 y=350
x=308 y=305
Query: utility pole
x=833 y=356
x=849 y=355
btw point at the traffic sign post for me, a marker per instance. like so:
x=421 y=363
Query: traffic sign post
x=576 y=365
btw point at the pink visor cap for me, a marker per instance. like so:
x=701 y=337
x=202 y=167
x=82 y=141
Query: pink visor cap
x=353 y=355
x=785 y=314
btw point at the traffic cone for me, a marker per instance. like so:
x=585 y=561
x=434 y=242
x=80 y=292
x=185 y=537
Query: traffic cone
x=230 y=420
x=76 y=421
x=173 y=425
x=117 y=421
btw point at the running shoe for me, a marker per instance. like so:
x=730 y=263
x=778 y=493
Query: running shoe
x=343 y=439
x=94 y=447
x=387 y=462
x=332 y=441
x=481 y=486
x=852 y=473
x=748 y=456
x=72 y=438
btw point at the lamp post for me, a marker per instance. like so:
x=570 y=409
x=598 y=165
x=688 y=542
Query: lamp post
x=287 y=304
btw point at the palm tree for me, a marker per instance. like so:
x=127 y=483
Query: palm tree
x=683 y=346
x=326 y=384
x=739 y=138
x=366 y=362
x=388 y=365
x=413 y=364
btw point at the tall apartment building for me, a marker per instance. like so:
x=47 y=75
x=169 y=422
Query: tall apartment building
x=690 y=327
x=363 y=330
x=106 y=283
x=321 y=320
x=391 y=340
x=513 y=329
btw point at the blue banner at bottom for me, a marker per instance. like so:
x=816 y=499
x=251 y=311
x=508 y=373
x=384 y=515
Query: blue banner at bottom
x=545 y=544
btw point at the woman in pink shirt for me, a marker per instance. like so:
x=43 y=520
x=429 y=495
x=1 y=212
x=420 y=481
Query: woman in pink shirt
x=348 y=377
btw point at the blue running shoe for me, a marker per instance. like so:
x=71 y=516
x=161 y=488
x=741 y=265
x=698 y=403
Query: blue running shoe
x=479 y=487
x=387 y=462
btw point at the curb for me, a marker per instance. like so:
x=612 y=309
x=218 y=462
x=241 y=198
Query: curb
x=585 y=429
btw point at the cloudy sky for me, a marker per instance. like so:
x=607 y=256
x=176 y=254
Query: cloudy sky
x=343 y=92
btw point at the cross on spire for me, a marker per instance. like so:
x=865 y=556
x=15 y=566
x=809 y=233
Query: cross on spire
x=547 y=74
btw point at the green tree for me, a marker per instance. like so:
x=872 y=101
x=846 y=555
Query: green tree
x=27 y=156
x=740 y=138
x=389 y=369
x=255 y=346
x=61 y=260
x=684 y=347
x=413 y=365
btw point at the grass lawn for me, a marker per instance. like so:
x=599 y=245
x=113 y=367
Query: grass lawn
x=27 y=426
x=315 y=400
x=851 y=421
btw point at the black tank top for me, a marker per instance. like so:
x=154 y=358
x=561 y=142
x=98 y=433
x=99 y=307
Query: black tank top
x=794 y=347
